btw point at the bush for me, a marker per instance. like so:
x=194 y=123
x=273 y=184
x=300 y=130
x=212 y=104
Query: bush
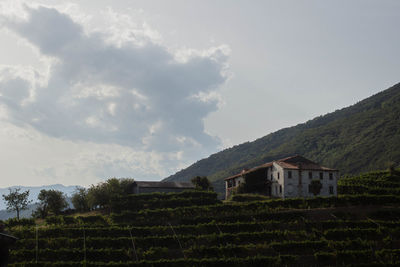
x=54 y=220
x=93 y=220
x=21 y=222
x=248 y=197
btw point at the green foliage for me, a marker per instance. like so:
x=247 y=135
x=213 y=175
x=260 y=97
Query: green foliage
x=101 y=195
x=248 y=197
x=362 y=137
x=136 y=202
x=12 y=222
x=16 y=201
x=93 y=220
x=202 y=183
x=315 y=187
x=80 y=199
x=155 y=230
x=51 y=201
x=376 y=183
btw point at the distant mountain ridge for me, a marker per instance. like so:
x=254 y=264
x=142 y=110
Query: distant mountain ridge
x=361 y=137
x=35 y=190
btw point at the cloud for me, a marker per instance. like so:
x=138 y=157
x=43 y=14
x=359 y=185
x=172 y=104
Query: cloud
x=130 y=91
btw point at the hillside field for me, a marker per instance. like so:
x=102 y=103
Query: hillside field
x=360 y=227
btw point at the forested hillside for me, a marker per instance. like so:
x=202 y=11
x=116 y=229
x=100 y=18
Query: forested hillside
x=362 y=137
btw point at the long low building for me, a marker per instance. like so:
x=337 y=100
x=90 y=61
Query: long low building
x=287 y=178
x=140 y=187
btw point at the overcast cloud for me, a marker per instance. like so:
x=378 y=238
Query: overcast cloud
x=131 y=92
x=100 y=88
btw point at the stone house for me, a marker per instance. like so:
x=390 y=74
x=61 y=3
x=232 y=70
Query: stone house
x=287 y=178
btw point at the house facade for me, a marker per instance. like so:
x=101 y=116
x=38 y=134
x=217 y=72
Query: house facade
x=140 y=187
x=287 y=178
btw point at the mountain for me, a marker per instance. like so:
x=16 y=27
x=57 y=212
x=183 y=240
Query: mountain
x=35 y=190
x=362 y=137
x=4 y=214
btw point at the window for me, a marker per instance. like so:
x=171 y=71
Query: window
x=331 y=189
x=330 y=176
x=271 y=177
x=280 y=189
x=310 y=175
x=321 y=175
x=289 y=174
x=278 y=175
x=234 y=183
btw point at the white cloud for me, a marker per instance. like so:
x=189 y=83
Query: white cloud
x=119 y=86
x=107 y=99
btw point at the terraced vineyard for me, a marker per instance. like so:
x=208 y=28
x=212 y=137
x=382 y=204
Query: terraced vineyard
x=195 y=229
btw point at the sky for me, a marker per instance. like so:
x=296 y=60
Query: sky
x=96 y=89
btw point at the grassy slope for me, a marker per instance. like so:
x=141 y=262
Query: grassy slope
x=362 y=137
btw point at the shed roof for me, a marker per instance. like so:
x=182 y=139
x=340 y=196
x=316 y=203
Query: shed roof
x=8 y=239
x=152 y=184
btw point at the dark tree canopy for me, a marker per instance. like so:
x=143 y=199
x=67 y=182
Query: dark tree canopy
x=202 y=182
x=315 y=187
x=80 y=199
x=16 y=201
x=53 y=201
x=101 y=195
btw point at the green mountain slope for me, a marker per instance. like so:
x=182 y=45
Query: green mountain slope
x=362 y=137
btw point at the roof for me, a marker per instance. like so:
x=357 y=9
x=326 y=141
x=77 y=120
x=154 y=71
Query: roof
x=151 y=184
x=299 y=162
x=265 y=165
x=8 y=239
x=294 y=162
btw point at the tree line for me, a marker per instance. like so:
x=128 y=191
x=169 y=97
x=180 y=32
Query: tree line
x=99 y=196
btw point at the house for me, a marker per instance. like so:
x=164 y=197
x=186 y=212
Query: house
x=162 y=187
x=286 y=178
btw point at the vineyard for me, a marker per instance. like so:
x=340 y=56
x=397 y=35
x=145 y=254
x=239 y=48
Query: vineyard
x=360 y=227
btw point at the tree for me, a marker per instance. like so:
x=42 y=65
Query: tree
x=17 y=201
x=51 y=201
x=80 y=199
x=101 y=195
x=315 y=187
x=202 y=183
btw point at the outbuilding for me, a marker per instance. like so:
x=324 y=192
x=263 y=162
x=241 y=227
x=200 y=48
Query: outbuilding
x=140 y=187
x=5 y=242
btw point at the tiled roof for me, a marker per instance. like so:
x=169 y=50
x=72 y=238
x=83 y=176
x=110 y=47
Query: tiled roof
x=297 y=162
x=293 y=162
x=151 y=184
